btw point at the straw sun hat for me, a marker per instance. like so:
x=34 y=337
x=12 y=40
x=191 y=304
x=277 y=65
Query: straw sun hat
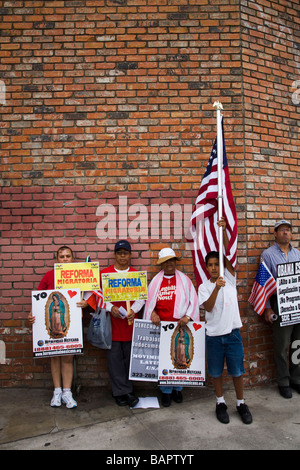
x=165 y=254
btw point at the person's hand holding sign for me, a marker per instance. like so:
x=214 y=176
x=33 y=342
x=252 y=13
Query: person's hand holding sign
x=130 y=316
x=115 y=312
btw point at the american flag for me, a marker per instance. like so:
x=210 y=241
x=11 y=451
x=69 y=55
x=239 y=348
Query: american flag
x=264 y=286
x=97 y=299
x=203 y=229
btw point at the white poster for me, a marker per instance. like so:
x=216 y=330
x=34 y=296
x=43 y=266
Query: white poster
x=57 y=329
x=144 y=351
x=182 y=354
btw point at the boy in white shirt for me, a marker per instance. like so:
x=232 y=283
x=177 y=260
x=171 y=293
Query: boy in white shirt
x=218 y=297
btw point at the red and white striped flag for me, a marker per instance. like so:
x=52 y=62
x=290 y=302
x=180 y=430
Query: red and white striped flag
x=263 y=287
x=94 y=298
x=203 y=229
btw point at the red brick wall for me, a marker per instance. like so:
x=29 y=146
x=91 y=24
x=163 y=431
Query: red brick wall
x=112 y=99
x=271 y=68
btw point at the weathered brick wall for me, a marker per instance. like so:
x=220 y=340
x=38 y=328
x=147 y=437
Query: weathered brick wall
x=271 y=68
x=108 y=104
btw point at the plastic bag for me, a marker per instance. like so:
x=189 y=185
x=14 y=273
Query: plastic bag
x=99 y=330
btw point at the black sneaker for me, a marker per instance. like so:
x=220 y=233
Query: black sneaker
x=221 y=412
x=295 y=387
x=166 y=399
x=244 y=413
x=177 y=396
x=285 y=392
x=132 y=400
x=121 y=400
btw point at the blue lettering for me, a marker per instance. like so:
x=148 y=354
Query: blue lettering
x=124 y=283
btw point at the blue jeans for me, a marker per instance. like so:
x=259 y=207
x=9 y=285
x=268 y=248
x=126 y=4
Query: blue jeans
x=229 y=347
x=169 y=388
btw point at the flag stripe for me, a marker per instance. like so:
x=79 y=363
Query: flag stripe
x=263 y=287
x=98 y=299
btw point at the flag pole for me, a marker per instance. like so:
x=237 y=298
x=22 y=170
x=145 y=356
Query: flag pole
x=219 y=107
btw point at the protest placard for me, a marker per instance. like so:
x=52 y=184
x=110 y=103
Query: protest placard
x=288 y=293
x=144 y=351
x=83 y=276
x=57 y=329
x=182 y=354
x=127 y=286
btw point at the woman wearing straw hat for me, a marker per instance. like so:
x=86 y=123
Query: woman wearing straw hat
x=171 y=297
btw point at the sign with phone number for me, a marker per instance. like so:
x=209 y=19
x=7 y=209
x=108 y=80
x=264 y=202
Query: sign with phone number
x=144 y=351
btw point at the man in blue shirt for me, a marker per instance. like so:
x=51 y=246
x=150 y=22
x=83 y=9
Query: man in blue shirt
x=288 y=373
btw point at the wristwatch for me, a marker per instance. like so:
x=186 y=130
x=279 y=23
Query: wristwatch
x=188 y=317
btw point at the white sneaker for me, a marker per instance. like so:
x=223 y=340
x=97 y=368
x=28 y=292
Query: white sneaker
x=56 y=399
x=68 y=399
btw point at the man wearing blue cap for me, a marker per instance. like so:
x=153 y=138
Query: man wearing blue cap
x=118 y=357
x=288 y=373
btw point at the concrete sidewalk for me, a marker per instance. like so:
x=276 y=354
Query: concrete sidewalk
x=27 y=422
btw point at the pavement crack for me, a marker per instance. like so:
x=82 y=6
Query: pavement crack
x=148 y=430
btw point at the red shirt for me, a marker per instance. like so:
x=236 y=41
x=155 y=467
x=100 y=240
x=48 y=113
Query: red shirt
x=47 y=282
x=165 y=301
x=121 y=331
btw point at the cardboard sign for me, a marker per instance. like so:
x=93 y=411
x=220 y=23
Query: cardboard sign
x=83 y=276
x=144 y=351
x=288 y=293
x=118 y=287
x=57 y=329
x=182 y=354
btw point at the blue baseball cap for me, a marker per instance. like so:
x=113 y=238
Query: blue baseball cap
x=123 y=244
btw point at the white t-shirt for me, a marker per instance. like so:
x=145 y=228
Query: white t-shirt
x=225 y=315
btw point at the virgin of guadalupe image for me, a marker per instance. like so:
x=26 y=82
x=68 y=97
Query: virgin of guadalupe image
x=57 y=315
x=182 y=347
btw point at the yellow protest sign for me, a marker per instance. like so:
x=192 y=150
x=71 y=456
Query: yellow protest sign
x=83 y=276
x=118 y=287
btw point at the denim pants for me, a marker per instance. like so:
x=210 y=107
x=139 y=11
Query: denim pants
x=227 y=347
x=169 y=388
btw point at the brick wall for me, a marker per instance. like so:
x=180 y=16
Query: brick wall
x=108 y=105
x=271 y=67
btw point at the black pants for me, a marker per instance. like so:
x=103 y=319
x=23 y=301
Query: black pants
x=118 y=362
x=287 y=364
